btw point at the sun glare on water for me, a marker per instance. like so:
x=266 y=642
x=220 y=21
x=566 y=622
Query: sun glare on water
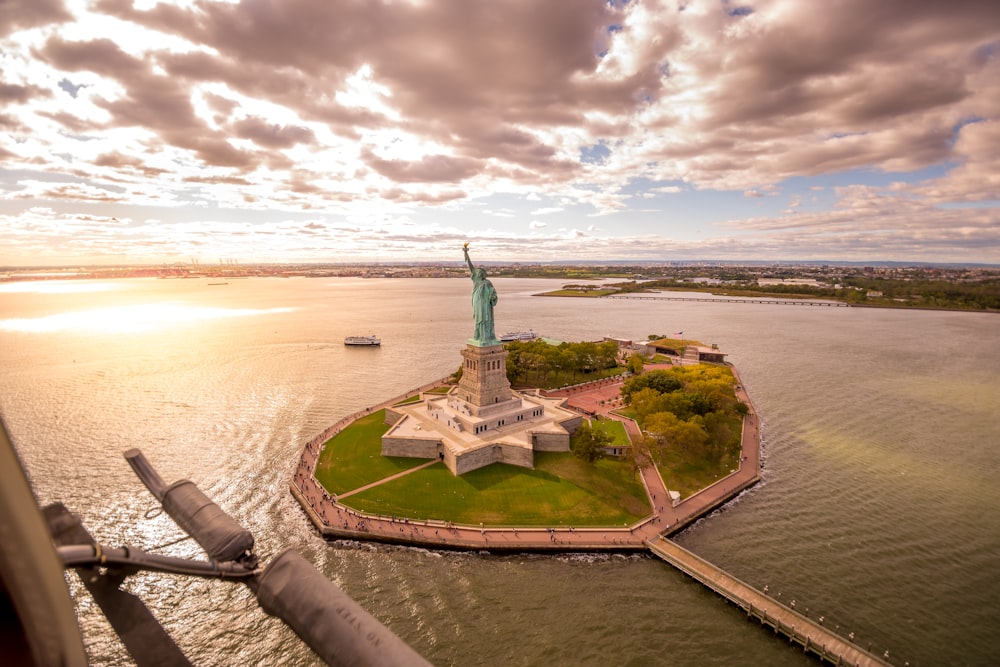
x=128 y=319
x=56 y=287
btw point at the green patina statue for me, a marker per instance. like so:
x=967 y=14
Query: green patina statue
x=484 y=297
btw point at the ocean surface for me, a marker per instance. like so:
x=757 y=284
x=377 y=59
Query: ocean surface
x=878 y=508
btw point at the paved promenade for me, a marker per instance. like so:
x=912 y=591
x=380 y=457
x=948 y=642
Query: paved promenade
x=334 y=520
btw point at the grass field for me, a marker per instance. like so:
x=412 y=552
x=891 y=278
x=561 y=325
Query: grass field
x=689 y=474
x=560 y=491
x=353 y=457
x=612 y=427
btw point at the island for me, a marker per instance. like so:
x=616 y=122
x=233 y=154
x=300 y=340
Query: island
x=386 y=474
x=636 y=441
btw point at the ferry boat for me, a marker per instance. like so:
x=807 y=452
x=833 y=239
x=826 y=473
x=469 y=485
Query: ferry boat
x=518 y=335
x=362 y=340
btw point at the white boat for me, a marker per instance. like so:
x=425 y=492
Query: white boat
x=362 y=340
x=518 y=335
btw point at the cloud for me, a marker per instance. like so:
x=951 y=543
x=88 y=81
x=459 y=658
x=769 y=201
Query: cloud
x=425 y=110
x=272 y=135
x=428 y=169
x=535 y=224
x=24 y=14
x=977 y=176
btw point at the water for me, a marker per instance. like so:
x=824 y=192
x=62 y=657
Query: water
x=877 y=508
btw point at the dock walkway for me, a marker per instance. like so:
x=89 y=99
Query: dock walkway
x=723 y=299
x=799 y=629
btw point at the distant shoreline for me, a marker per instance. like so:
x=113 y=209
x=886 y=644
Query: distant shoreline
x=955 y=290
x=758 y=298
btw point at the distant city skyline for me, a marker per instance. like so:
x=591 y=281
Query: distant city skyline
x=269 y=131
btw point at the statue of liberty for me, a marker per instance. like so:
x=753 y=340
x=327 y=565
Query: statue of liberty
x=484 y=297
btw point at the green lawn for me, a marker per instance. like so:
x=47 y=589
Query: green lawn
x=560 y=491
x=689 y=474
x=353 y=457
x=612 y=427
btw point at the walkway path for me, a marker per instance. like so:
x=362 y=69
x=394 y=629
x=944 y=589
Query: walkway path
x=341 y=496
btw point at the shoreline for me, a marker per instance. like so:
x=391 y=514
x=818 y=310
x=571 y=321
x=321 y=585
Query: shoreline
x=335 y=521
x=769 y=299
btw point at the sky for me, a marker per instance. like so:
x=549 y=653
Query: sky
x=145 y=131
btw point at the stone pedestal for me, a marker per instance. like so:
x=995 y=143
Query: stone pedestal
x=484 y=382
x=481 y=421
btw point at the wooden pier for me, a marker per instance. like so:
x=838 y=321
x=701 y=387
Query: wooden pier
x=799 y=629
x=777 y=302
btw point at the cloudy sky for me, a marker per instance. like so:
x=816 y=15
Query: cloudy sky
x=386 y=130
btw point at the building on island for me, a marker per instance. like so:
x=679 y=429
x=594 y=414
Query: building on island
x=694 y=354
x=482 y=420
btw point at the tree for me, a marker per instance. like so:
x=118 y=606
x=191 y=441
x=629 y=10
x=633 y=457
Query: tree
x=537 y=363
x=644 y=403
x=723 y=435
x=688 y=436
x=662 y=382
x=588 y=356
x=635 y=363
x=677 y=402
x=566 y=360
x=589 y=443
x=515 y=364
x=607 y=354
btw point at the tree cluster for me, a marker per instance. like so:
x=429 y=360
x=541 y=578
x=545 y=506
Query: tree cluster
x=538 y=363
x=691 y=408
x=927 y=293
x=922 y=292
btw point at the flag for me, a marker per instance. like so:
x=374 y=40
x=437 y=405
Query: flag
x=678 y=333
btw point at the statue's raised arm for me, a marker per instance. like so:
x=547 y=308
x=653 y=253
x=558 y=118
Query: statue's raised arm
x=465 y=249
x=484 y=297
